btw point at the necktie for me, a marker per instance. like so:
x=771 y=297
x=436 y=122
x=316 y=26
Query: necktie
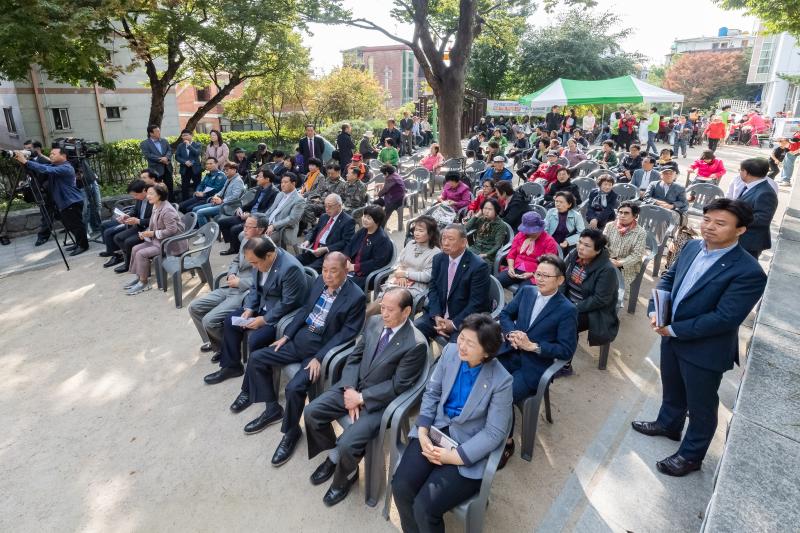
x=451 y=273
x=741 y=193
x=382 y=344
x=310 y=145
x=322 y=232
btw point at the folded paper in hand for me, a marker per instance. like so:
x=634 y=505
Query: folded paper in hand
x=662 y=301
x=241 y=322
x=441 y=440
x=118 y=213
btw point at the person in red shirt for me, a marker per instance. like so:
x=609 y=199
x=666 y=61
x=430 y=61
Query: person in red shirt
x=548 y=170
x=488 y=190
x=715 y=132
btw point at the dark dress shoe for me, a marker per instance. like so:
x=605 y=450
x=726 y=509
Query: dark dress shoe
x=286 y=448
x=206 y=347
x=241 y=402
x=41 y=240
x=78 y=251
x=70 y=247
x=654 y=430
x=216 y=357
x=229 y=252
x=336 y=494
x=677 y=466
x=222 y=374
x=115 y=260
x=121 y=269
x=106 y=254
x=268 y=417
x=323 y=472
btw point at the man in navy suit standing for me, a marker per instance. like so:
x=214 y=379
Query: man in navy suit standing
x=158 y=154
x=756 y=191
x=459 y=286
x=713 y=286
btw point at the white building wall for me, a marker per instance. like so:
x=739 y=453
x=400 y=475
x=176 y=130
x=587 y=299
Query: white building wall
x=776 y=94
x=131 y=96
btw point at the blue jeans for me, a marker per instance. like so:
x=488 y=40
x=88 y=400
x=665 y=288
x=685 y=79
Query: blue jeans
x=651 y=141
x=788 y=167
x=679 y=143
x=92 y=206
x=204 y=211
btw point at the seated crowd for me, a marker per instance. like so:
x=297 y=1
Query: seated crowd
x=292 y=300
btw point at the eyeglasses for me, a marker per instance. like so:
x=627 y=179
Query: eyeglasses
x=250 y=227
x=542 y=275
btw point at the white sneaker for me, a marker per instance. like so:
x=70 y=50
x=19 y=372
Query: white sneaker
x=139 y=287
x=131 y=283
x=199 y=241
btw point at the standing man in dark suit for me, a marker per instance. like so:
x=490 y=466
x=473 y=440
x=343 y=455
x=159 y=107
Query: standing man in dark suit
x=279 y=287
x=121 y=234
x=390 y=132
x=187 y=154
x=158 y=154
x=459 y=286
x=713 y=286
x=758 y=194
x=406 y=127
x=310 y=146
x=332 y=233
x=333 y=314
x=345 y=146
x=387 y=361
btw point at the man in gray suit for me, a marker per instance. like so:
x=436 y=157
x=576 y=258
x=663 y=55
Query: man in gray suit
x=666 y=193
x=643 y=177
x=210 y=311
x=285 y=214
x=158 y=154
x=279 y=286
x=387 y=361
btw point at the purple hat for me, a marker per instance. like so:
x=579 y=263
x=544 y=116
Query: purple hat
x=531 y=223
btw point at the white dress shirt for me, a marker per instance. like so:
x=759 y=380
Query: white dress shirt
x=541 y=301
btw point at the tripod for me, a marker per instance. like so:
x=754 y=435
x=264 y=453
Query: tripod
x=33 y=184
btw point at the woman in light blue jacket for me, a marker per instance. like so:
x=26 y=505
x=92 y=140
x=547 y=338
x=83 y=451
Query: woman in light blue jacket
x=468 y=399
x=564 y=222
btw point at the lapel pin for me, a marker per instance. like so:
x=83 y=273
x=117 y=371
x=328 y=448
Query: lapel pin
x=484 y=385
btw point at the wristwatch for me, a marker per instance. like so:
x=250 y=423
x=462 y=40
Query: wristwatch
x=361 y=398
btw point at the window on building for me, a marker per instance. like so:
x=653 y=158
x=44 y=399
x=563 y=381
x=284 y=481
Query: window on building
x=61 y=118
x=407 y=80
x=203 y=94
x=714 y=46
x=113 y=112
x=765 y=57
x=745 y=43
x=11 y=126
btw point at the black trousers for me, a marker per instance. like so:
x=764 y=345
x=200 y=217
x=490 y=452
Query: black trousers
x=774 y=169
x=686 y=387
x=258 y=376
x=424 y=492
x=187 y=205
x=230 y=228
x=72 y=218
x=110 y=228
x=311 y=260
x=231 y=356
x=126 y=240
x=44 y=223
x=389 y=208
x=352 y=444
x=190 y=181
x=166 y=177
x=712 y=144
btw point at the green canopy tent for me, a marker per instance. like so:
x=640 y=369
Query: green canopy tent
x=625 y=89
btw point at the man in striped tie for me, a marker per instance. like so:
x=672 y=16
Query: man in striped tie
x=388 y=359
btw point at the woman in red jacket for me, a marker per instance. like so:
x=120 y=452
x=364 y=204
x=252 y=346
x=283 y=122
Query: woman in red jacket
x=715 y=131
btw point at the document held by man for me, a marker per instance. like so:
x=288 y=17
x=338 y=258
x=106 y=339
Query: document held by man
x=241 y=322
x=662 y=300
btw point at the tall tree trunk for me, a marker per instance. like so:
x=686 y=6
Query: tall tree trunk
x=215 y=100
x=157 y=97
x=451 y=107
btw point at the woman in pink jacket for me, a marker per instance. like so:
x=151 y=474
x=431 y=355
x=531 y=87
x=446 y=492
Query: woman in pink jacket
x=708 y=169
x=433 y=161
x=455 y=192
x=528 y=246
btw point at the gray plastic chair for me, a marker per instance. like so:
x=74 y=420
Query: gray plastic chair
x=625 y=191
x=585 y=186
x=229 y=208
x=423 y=177
x=194 y=259
x=411 y=200
x=371 y=283
x=375 y=165
x=704 y=193
x=532 y=190
x=530 y=407
x=539 y=209
x=189 y=228
x=585 y=167
x=497 y=298
x=636 y=284
x=659 y=223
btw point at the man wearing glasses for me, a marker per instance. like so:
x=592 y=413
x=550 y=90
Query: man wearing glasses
x=539 y=325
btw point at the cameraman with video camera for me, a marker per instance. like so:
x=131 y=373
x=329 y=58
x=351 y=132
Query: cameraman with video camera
x=35 y=148
x=66 y=195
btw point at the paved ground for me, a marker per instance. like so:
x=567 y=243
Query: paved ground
x=108 y=426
